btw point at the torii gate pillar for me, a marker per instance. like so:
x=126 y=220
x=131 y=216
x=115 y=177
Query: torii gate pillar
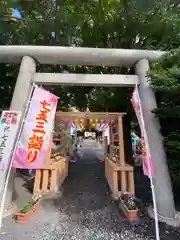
x=18 y=103
x=162 y=182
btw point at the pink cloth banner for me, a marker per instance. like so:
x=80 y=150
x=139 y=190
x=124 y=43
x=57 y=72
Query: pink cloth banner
x=146 y=153
x=35 y=137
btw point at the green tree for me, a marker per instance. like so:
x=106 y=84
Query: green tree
x=166 y=83
x=100 y=23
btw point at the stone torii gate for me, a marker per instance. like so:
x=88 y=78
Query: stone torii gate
x=28 y=56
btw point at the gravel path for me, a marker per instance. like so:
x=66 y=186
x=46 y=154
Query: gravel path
x=85 y=211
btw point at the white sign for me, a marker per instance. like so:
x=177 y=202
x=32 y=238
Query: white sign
x=10 y=119
x=90 y=134
x=9 y=124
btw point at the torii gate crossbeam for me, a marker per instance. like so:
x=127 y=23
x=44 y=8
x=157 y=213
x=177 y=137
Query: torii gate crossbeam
x=77 y=56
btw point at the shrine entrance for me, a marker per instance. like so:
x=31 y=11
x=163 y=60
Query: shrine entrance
x=29 y=56
x=118 y=173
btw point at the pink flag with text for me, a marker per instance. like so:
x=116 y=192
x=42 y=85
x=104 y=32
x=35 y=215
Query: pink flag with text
x=35 y=136
x=146 y=153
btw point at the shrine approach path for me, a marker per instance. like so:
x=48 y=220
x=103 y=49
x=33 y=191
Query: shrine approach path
x=84 y=211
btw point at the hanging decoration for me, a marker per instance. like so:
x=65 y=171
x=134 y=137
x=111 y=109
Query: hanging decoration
x=104 y=127
x=91 y=124
x=81 y=123
x=100 y=125
x=76 y=122
x=96 y=123
x=86 y=123
x=74 y=125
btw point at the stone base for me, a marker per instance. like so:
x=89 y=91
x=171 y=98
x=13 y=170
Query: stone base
x=174 y=222
x=10 y=211
x=54 y=195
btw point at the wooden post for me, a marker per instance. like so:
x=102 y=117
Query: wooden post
x=48 y=153
x=121 y=141
x=123 y=182
x=105 y=146
x=110 y=139
x=131 y=182
x=115 y=184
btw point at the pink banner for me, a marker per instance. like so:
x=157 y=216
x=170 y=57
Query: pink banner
x=146 y=153
x=35 y=137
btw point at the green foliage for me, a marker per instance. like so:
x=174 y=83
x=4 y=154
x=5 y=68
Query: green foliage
x=107 y=24
x=166 y=83
x=100 y=23
x=130 y=202
x=28 y=207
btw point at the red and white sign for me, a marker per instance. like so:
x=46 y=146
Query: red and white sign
x=34 y=140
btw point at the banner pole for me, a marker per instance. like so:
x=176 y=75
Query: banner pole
x=150 y=174
x=13 y=155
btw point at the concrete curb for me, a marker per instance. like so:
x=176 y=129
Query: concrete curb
x=10 y=211
x=174 y=222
